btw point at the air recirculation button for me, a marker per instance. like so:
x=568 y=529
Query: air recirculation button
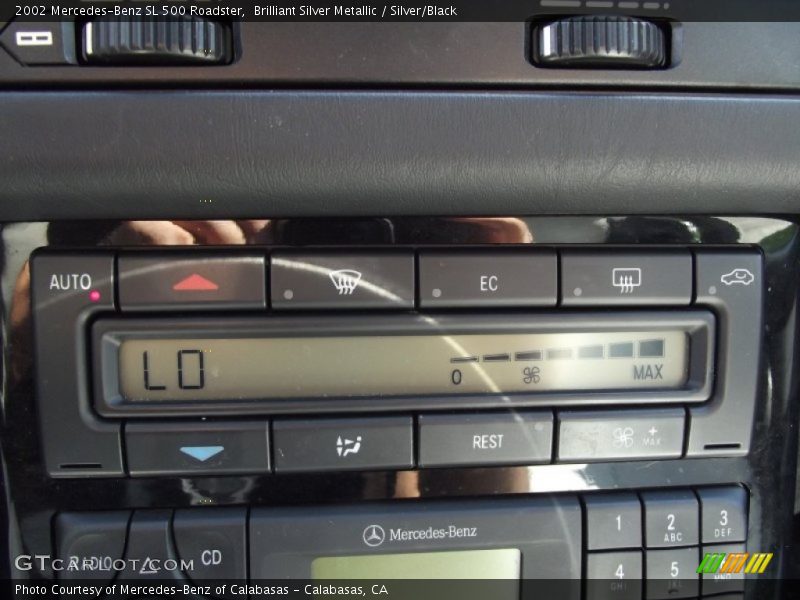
x=150 y=41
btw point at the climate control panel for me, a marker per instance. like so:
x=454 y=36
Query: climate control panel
x=173 y=362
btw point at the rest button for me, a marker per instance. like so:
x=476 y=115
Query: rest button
x=485 y=438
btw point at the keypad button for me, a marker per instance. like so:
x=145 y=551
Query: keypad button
x=596 y=278
x=672 y=573
x=613 y=521
x=671 y=519
x=719 y=566
x=723 y=513
x=614 y=575
x=487 y=278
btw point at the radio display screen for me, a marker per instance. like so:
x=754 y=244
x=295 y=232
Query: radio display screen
x=163 y=368
x=503 y=563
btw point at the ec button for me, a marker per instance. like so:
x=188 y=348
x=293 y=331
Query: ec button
x=487 y=278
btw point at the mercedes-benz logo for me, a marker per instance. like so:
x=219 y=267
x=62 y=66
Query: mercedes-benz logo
x=373 y=535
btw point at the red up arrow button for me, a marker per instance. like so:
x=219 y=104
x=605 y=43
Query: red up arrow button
x=196 y=280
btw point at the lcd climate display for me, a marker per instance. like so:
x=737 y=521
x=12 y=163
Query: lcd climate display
x=162 y=369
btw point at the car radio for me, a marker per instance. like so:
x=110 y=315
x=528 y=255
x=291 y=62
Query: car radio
x=502 y=547
x=226 y=361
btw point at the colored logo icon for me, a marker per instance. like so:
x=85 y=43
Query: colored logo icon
x=734 y=562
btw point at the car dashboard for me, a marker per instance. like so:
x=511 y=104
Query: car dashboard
x=494 y=305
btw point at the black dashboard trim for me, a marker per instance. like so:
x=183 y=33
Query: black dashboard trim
x=194 y=154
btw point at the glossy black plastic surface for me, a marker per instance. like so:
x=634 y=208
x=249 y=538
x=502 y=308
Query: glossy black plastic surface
x=769 y=470
x=720 y=55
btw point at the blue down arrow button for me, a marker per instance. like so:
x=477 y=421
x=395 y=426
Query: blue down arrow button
x=197 y=448
x=202 y=453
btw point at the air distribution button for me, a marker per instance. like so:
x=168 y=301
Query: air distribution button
x=343 y=444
